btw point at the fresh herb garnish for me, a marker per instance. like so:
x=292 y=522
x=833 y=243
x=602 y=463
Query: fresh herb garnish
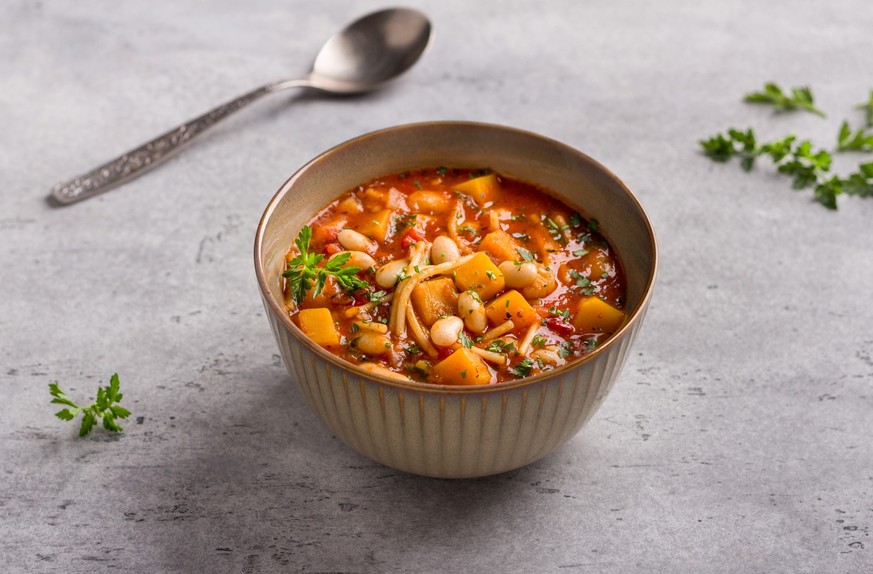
x=465 y=341
x=413 y=350
x=563 y=313
x=441 y=171
x=555 y=230
x=376 y=296
x=467 y=229
x=799 y=98
x=576 y=220
x=491 y=275
x=565 y=349
x=303 y=270
x=522 y=236
x=808 y=166
x=417 y=184
x=590 y=344
x=580 y=252
x=498 y=346
x=868 y=109
x=106 y=407
x=538 y=341
x=525 y=254
x=583 y=283
x=860 y=140
x=522 y=368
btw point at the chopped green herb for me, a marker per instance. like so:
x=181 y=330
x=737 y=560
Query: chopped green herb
x=498 y=346
x=441 y=171
x=525 y=254
x=563 y=313
x=860 y=140
x=538 y=341
x=413 y=350
x=580 y=252
x=522 y=368
x=376 y=296
x=464 y=374
x=868 y=109
x=772 y=94
x=354 y=328
x=565 y=349
x=465 y=341
x=418 y=185
x=522 y=236
x=105 y=407
x=303 y=269
x=491 y=275
x=590 y=344
x=593 y=225
x=468 y=229
x=518 y=217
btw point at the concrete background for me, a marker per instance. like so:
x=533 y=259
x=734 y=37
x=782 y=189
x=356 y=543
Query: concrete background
x=737 y=440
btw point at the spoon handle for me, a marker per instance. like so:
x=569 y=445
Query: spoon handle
x=138 y=161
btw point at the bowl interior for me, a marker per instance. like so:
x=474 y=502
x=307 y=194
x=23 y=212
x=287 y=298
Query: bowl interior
x=570 y=175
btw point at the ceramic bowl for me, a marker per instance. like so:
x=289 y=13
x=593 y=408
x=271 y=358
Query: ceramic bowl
x=440 y=430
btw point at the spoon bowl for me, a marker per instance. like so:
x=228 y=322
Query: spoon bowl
x=371 y=52
x=366 y=55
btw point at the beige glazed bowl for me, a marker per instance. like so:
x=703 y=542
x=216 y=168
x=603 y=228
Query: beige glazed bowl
x=440 y=430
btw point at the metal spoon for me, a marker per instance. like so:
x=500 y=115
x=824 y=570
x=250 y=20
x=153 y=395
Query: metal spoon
x=369 y=53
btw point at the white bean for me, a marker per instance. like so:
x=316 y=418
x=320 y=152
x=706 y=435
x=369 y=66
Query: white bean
x=373 y=344
x=518 y=276
x=473 y=312
x=444 y=249
x=386 y=276
x=354 y=241
x=357 y=259
x=445 y=332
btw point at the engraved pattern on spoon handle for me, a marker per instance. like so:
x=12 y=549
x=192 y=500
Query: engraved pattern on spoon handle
x=138 y=161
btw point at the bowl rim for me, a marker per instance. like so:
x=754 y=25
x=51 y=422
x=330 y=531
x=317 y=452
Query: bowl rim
x=279 y=311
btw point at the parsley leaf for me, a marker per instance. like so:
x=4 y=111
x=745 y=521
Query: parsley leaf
x=464 y=340
x=868 y=108
x=525 y=254
x=797 y=158
x=772 y=94
x=303 y=269
x=105 y=407
x=860 y=140
x=522 y=368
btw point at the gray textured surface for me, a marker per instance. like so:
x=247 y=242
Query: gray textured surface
x=738 y=438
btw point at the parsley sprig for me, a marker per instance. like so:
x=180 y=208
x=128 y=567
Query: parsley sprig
x=859 y=140
x=797 y=158
x=303 y=270
x=868 y=109
x=772 y=94
x=105 y=407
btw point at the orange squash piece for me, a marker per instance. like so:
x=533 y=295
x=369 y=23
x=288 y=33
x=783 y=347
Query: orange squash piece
x=511 y=306
x=596 y=316
x=318 y=326
x=483 y=189
x=434 y=299
x=480 y=275
x=500 y=245
x=463 y=367
x=377 y=226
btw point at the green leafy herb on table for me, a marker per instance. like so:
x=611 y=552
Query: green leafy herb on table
x=860 y=140
x=800 y=98
x=797 y=158
x=868 y=108
x=106 y=407
x=303 y=270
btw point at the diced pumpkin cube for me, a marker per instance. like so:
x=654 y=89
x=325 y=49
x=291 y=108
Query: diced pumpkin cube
x=434 y=299
x=326 y=231
x=376 y=227
x=318 y=326
x=500 y=245
x=480 y=275
x=483 y=189
x=463 y=367
x=511 y=305
x=431 y=202
x=594 y=315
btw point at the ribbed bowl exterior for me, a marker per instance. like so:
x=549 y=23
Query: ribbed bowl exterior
x=451 y=435
x=446 y=431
